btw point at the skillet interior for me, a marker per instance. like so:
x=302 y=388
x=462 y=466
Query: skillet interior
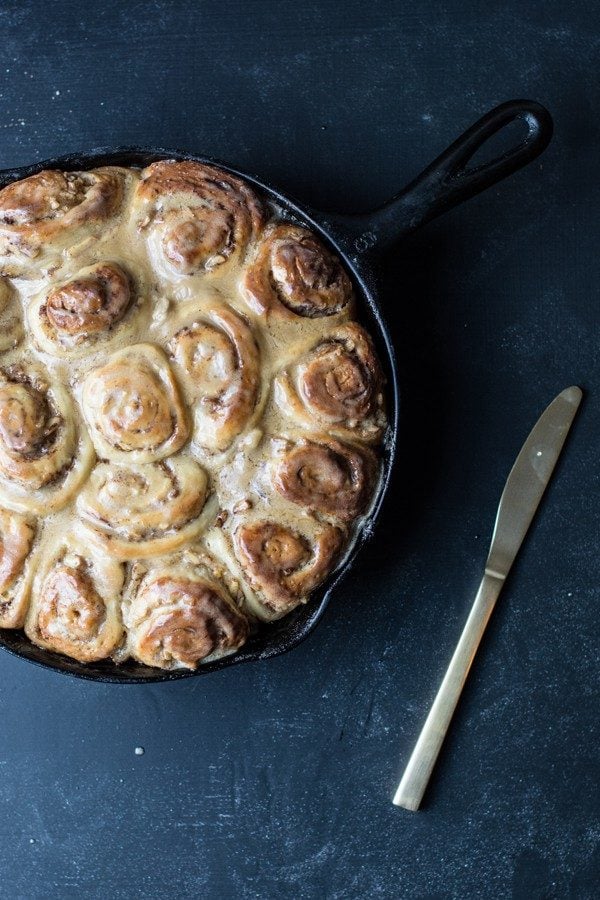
x=286 y=633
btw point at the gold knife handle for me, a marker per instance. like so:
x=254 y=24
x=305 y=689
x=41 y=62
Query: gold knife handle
x=420 y=765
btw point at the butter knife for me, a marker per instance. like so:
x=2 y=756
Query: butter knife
x=520 y=499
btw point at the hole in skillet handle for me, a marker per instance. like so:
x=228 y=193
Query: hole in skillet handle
x=449 y=180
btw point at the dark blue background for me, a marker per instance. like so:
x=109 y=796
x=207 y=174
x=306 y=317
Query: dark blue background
x=275 y=780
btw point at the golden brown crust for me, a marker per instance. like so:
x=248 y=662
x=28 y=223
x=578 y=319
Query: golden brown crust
x=75 y=608
x=178 y=619
x=295 y=274
x=90 y=303
x=197 y=218
x=87 y=311
x=70 y=604
x=282 y=563
x=327 y=476
x=338 y=384
x=218 y=360
x=53 y=207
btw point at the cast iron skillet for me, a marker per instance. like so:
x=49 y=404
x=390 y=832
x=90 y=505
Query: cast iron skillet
x=358 y=240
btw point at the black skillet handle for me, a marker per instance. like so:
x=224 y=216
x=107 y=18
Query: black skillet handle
x=449 y=179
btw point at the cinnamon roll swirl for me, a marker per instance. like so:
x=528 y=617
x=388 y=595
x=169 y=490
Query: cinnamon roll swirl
x=326 y=476
x=218 y=361
x=193 y=454
x=16 y=537
x=337 y=385
x=44 y=454
x=283 y=564
x=295 y=273
x=11 y=329
x=45 y=212
x=76 y=602
x=71 y=317
x=133 y=406
x=144 y=510
x=181 y=616
x=198 y=219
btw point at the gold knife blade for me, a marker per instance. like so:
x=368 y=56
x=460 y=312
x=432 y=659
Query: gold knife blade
x=520 y=499
x=528 y=480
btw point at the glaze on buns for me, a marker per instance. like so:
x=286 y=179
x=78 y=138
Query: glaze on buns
x=189 y=413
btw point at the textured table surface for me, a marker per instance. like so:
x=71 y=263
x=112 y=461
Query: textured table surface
x=275 y=780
